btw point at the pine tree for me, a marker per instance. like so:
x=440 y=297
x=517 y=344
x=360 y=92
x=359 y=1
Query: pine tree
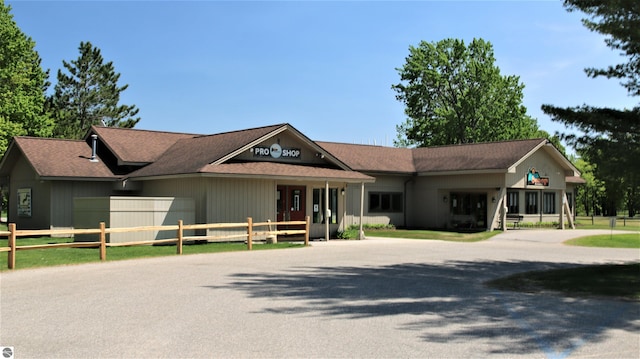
x=610 y=138
x=89 y=95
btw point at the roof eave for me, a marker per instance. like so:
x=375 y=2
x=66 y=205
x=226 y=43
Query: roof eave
x=251 y=176
x=462 y=172
x=88 y=179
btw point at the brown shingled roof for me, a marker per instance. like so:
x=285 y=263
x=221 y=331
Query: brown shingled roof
x=62 y=158
x=473 y=157
x=372 y=158
x=192 y=154
x=468 y=157
x=137 y=146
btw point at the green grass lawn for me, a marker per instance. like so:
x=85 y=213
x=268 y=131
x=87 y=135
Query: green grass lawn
x=621 y=281
x=616 y=281
x=66 y=256
x=438 y=235
x=631 y=240
x=584 y=222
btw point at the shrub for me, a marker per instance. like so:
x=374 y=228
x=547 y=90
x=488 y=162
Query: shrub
x=352 y=231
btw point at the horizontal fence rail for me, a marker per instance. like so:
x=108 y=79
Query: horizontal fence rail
x=13 y=233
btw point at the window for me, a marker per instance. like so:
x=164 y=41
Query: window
x=319 y=206
x=385 y=201
x=531 y=202
x=513 y=202
x=549 y=203
x=296 y=200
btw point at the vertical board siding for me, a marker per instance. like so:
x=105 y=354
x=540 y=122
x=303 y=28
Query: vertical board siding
x=233 y=200
x=63 y=194
x=23 y=176
x=195 y=188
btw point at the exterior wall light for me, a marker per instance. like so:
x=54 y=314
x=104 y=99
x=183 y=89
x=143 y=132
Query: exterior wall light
x=444 y=199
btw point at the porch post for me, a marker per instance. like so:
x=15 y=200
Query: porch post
x=499 y=210
x=562 y=209
x=327 y=214
x=361 y=232
x=567 y=208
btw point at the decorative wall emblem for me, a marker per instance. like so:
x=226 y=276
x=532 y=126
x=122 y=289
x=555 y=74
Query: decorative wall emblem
x=534 y=178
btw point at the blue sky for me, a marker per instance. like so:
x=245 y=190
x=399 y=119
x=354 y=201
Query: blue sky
x=326 y=67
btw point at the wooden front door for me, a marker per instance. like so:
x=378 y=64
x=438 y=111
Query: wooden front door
x=291 y=202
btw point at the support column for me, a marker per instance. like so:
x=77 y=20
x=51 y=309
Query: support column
x=562 y=200
x=327 y=211
x=361 y=232
x=565 y=205
x=499 y=210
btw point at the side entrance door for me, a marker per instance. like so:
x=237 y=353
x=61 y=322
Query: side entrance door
x=291 y=202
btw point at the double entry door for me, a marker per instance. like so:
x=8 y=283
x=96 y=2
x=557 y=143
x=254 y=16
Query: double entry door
x=291 y=203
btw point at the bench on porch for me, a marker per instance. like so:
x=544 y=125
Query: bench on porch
x=516 y=219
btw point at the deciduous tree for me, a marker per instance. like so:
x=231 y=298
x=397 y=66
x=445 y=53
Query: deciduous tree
x=22 y=84
x=455 y=93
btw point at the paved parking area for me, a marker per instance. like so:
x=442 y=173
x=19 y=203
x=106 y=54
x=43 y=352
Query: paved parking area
x=376 y=298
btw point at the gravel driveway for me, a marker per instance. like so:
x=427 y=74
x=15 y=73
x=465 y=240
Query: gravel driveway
x=376 y=298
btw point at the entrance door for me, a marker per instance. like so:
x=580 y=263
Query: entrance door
x=469 y=210
x=291 y=202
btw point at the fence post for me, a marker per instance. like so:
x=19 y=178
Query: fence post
x=306 y=230
x=103 y=242
x=249 y=233
x=11 y=257
x=179 y=249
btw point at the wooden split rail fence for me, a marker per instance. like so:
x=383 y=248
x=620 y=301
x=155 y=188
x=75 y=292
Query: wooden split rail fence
x=12 y=234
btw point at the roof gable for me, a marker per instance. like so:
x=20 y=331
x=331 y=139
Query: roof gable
x=190 y=155
x=136 y=147
x=58 y=158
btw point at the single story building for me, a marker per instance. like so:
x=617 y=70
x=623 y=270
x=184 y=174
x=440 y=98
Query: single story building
x=277 y=173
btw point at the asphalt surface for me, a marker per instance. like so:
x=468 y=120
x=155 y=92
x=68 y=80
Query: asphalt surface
x=376 y=298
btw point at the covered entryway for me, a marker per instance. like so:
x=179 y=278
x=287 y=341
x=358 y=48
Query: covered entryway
x=468 y=210
x=291 y=204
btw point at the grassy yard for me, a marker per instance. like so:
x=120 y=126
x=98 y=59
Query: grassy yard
x=424 y=234
x=66 y=256
x=621 y=281
x=629 y=224
x=631 y=240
